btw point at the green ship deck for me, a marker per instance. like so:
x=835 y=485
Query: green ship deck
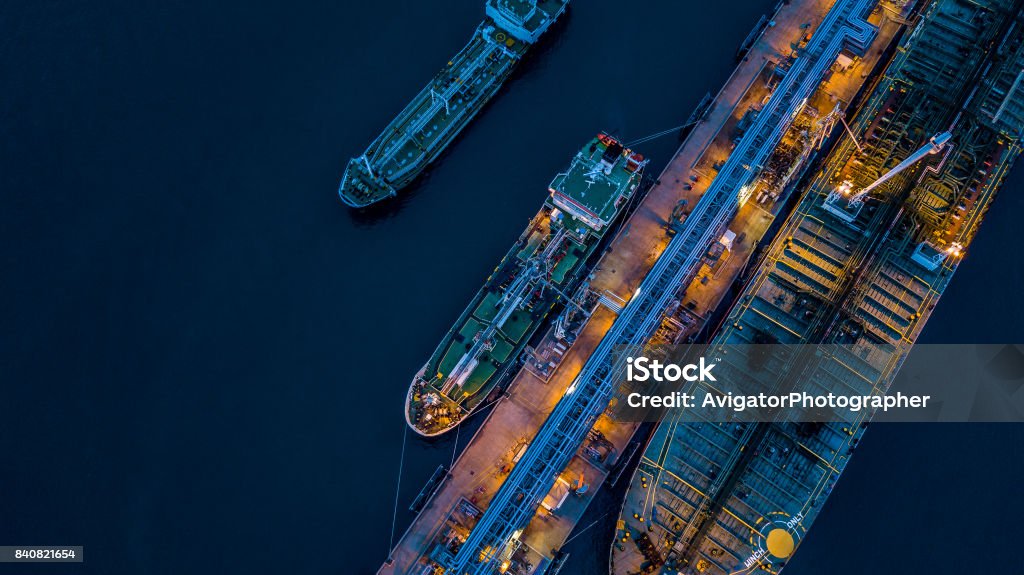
x=547 y=262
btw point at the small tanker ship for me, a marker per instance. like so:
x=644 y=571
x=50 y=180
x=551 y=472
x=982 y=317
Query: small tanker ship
x=547 y=262
x=447 y=104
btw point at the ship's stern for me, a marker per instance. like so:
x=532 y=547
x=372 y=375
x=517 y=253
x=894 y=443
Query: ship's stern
x=526 y=20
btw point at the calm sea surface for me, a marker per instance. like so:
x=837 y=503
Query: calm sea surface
x=203 y=356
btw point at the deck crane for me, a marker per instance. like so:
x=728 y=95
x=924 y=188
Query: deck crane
x=834 y=204
x=823 y=128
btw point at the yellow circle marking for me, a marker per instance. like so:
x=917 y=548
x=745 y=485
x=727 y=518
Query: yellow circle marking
x=780 y=543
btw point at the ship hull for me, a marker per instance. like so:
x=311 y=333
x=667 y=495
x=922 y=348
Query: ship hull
x=432 y=120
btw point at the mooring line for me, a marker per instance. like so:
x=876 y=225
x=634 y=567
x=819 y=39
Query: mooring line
x=659 y=134
x=398 y=489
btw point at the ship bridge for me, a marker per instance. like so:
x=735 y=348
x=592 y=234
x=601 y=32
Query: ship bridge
x=498 y=530
x=592 y=190
x=525 y=20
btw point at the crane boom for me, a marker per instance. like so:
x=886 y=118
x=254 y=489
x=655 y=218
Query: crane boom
x=935 y=145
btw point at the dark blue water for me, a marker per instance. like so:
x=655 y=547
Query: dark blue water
x=204 y=356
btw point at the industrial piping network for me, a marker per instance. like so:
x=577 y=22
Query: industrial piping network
x=561 y=435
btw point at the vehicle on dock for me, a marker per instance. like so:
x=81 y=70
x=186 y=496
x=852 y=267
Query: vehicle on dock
x=544 y=266
x=445 y=106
